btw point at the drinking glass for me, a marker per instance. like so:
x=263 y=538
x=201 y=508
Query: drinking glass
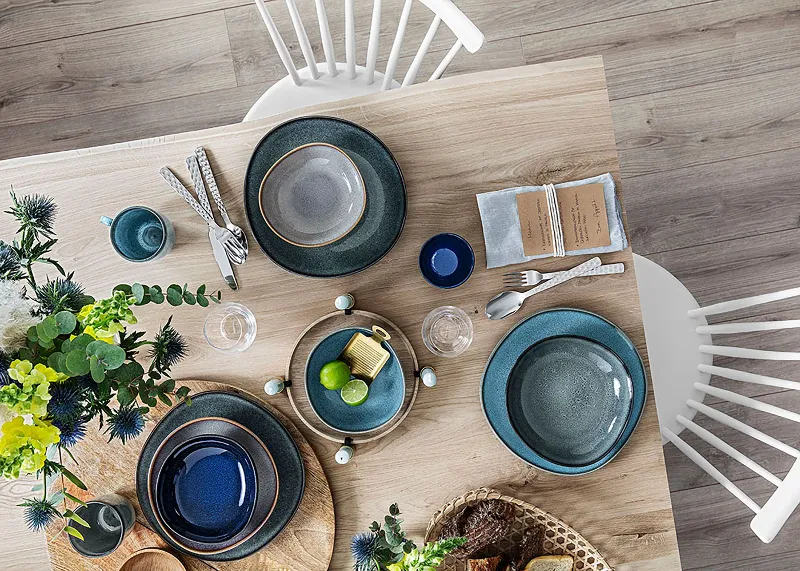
x=230 y=327
x=110 y=518
x=447 y=331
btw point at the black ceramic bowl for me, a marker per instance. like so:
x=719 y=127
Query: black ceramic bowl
x=212 y=485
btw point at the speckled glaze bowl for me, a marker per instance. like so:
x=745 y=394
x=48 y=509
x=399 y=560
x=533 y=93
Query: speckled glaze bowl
x=564 y=391
x=313 y=196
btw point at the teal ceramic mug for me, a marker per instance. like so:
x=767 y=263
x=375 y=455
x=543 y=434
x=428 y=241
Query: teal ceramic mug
x=140 y=234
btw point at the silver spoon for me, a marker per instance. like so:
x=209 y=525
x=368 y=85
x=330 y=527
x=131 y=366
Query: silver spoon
x=508 y=302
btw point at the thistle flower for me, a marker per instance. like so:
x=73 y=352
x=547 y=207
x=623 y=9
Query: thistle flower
x=9 y=264
x=168 y=348
x=126 y=423
x=65 y=401
x=39 y=513
x=72 y=431
x=363 y=547
x=34 y=212
x=60 y=294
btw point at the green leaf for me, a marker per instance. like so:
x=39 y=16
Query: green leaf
x=58 y=497
x=165 y=399
x=189 y=298
x=46 y=343
x=156 y=296
x=65 y=321
x=129 y=371
x=168 y=385
x=49 y=327
x=124 y=396
x=66 y=346
x=125 y=288
x=74 y=499
x=182 y=392
x=52 y=360
x=201 y=290
x=138 y=291
x=32 y=335
x=73 y=532
x=77 y=363
x=185 y=288
x=149 y=401
x=111 y=356
x=202 y=300
x=72 y=478
x=174 y=295
x=25 y=354
x=82 y=341
x=71 y=515
x=97 y=370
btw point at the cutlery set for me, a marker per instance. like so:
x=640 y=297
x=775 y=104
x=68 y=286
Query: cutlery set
x=509 y=302
x=229 y=242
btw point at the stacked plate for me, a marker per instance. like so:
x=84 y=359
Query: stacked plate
x=564 y=391
x=221 y=478
x=324 y=197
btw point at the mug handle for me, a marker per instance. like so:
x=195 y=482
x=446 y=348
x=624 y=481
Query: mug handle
x=106 y=220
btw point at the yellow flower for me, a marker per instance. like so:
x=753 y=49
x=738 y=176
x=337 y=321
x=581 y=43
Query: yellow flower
x=99 y=335
x=23 y=447
x=34 y=394
x=84 y=312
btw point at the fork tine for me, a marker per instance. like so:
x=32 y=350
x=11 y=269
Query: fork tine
x=514 y=274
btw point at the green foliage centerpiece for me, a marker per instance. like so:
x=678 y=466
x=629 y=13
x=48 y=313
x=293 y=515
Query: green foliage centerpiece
x=66 y=358
x=385 y=547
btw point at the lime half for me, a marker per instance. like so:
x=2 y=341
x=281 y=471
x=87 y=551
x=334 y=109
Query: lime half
x=355 y=392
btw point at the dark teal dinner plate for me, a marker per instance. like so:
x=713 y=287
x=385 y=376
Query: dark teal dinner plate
x=564 y=391
x=384 y=214
x=285 y=455
x=386 y=392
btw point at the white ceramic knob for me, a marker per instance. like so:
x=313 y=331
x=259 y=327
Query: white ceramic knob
x=274 y=386
x=345 y=454
x=428 y=376
x=345 y=301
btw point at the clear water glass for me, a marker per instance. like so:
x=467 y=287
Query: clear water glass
x=230 y=327
x=447 y=331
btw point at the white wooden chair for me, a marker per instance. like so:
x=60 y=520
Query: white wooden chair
x=681 y=352
x=333 y=81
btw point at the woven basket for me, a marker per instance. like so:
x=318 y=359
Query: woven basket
x=559 y=538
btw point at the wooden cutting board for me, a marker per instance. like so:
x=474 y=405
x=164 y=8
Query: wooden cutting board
x=306 y=544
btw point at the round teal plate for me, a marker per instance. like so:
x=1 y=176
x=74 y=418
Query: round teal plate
x=384 y=214
x=564 y=390
x=386 y=392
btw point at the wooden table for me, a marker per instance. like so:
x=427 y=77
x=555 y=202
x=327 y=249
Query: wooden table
x=453 y=138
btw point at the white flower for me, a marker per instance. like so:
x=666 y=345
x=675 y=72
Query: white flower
x=15 y=316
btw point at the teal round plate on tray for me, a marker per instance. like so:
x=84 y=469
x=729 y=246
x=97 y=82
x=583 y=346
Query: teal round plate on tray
x=384 y=213
x=385 y=396
x=564 y=391
x=288 y=466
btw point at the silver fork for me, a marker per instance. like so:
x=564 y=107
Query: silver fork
x=532 y=277
x=233 y=248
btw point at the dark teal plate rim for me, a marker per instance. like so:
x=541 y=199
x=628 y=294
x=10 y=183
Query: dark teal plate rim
x=269 y=241
x=267 y=428
x=547 y=324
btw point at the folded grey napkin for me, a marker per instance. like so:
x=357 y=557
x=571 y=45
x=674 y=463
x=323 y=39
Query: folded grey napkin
x=503 y=235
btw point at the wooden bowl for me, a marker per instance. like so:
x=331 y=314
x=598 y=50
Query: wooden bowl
x=152 y=560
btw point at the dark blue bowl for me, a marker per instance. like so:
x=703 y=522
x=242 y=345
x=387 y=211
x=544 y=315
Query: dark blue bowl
x=206 y=490
x=446 y=260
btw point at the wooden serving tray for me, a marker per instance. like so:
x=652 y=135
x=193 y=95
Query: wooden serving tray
x=559 y=538
x=306 y=544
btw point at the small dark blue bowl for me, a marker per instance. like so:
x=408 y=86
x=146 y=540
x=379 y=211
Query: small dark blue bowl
x=206 y=490
x=446 y=260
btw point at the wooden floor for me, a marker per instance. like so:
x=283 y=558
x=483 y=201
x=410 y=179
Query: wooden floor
x=706 y=112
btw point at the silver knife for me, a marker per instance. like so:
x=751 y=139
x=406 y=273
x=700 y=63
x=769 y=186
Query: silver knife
x=222 y=260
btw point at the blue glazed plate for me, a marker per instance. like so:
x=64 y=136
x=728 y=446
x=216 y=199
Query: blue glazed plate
x=384 y=213
x=206 y=489
x=268 y=430
x=386 y=392
x=549 y=391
